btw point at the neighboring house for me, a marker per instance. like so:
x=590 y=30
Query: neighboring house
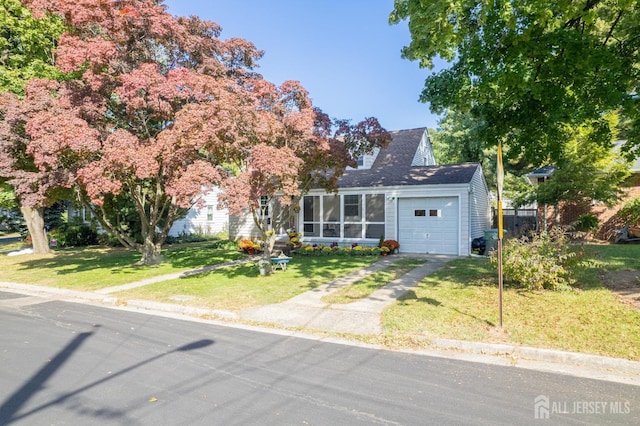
x=205 y=220
x=568 y=213
x=608 y=217
x=396 y=193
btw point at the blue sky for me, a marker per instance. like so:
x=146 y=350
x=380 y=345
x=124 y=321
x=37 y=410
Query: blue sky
x=343 y=52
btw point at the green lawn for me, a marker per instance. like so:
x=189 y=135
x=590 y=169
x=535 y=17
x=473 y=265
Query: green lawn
x=93 y=268
x=461 y=302
x=241 y=286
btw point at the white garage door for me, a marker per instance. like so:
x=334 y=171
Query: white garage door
x=428 y=225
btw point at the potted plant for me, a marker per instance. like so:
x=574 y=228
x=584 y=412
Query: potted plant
x=263 y=266
x=392 y=245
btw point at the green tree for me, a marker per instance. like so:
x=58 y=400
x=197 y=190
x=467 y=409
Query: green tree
x=531 y=70
x=586 y=171
x=456 y=140
x=27 y=48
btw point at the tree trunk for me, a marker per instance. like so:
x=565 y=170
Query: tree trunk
x=34 y=217
x=150 y=252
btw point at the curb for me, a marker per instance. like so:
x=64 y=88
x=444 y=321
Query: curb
x=180 y=309
x=596 y=364
x=540 y=354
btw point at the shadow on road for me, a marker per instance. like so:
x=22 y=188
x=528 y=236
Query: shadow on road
x=11 y=406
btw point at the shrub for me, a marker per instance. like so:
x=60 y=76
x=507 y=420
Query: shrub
x=183 y=238
x=80 y=236
x=541 y=261
x=630 y=213
x=108 y=240
x=586 y=223
x=59 y=236
x=248 y=245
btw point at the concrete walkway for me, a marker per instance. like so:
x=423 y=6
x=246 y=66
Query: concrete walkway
x=167 y=277
x=361 y=317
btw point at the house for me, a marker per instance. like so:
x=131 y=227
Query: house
x=568 y=212
x=399 y=193
x=208 y=220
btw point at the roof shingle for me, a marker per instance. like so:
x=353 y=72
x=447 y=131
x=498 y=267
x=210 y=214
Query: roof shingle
x=392 y=166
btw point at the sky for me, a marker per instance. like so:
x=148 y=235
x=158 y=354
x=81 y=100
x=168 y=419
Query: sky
x=344 y=52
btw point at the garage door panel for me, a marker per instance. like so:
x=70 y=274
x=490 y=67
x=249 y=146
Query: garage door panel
x=428 y=225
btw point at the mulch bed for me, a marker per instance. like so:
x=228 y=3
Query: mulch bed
x=625 y=285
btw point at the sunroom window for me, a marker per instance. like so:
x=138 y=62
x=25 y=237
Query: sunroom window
x=311 y=216
x=331 y=216
x=348 y=216
x=374 y=204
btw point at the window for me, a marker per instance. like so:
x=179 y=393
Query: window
x=209 y=213
x=331 y=208
x=331 y=216
x=311 y=216
x=374 y=207
x=264 y=205
x=375 y=230
x=353 y=230
x=352 y=208
x=361 y=161
x=419 y=212
x=348 y=216
x=434 y=213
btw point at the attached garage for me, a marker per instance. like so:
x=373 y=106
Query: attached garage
x=429 y=225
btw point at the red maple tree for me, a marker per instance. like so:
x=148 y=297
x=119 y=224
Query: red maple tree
x=162 y=109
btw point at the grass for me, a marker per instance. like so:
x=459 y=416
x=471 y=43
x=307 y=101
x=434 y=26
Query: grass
x=6 y=247
x=241 y=286
x=368 y=285
x=91 y=268
x=614 y=257
x=461 y=302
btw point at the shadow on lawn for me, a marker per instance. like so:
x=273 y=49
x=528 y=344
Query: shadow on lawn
x=411 y=295
x=85 y=259
x=316 y=270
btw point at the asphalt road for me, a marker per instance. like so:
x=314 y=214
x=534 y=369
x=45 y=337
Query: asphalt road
x=72 y=364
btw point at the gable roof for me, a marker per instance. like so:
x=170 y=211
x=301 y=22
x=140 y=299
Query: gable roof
x=393 y=166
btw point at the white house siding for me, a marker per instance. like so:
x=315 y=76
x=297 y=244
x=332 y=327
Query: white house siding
x=208 y=220
x=242 y=227
x=424 y=153
x=391 y=216
x=480 y=212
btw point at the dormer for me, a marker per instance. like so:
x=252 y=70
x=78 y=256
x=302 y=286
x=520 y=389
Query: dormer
x=424 y=154
x=366 y=161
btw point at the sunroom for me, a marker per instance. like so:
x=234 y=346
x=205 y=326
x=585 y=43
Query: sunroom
x=343 y=217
